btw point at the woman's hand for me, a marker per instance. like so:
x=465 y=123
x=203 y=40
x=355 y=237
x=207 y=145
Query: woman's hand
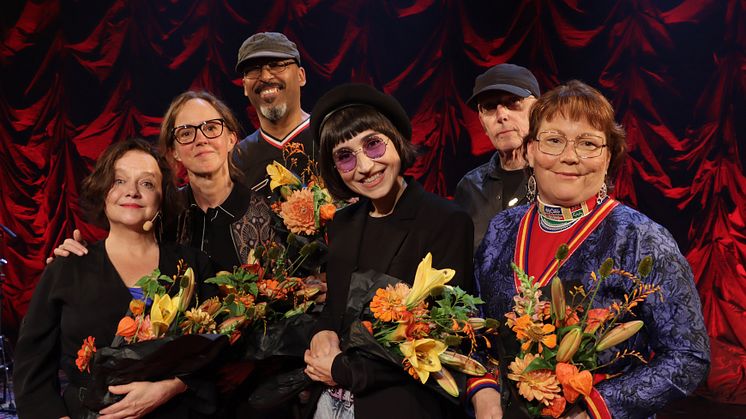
x=75 y=245
x=487 y=405
x=142 y=397
x=319 y=358
x=324 y=342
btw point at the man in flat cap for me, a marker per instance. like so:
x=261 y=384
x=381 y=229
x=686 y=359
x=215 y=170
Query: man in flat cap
x=272 y=78
x=503 y=96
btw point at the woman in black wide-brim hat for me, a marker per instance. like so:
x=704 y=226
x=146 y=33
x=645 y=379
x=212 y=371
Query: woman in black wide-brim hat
x=364 y=144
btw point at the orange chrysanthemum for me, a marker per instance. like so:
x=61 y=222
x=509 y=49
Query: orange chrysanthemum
x=85 y=353
x=529 y=332
x=388 y=303
x=298 y=214
x=539 y=385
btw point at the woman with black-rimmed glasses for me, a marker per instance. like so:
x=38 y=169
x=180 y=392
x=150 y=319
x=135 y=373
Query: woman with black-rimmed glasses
x=223 y=218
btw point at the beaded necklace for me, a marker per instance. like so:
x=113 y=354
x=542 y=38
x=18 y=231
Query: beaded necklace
x=554 y=218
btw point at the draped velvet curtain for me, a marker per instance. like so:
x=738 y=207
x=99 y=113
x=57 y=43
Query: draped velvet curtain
x=77 y=75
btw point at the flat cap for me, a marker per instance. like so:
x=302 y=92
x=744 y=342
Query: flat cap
x=506 y=77
x=266 y=45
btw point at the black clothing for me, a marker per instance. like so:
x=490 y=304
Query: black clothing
x=230 y=231
x=421 y=223
x=489 y=189
x=77 y=297
x=260 y=149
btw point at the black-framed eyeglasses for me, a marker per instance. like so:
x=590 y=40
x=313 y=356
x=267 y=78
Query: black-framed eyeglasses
x=489 y=104
x=586 y=145
x=274 y=68
x=345 y=160
x=185 y=134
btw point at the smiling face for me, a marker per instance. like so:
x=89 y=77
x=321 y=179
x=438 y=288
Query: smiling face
x=275 y=96
x=135 y=193
x=377 y=179
x=504 y=117
x=204 y=156
x=566 y=179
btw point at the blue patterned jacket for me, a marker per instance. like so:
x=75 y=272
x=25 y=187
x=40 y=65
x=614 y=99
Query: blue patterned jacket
x=674 y=334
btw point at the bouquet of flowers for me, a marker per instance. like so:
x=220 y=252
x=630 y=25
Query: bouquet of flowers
x=302 y=204
x=149 y=344
x=560 y=340
x=263 y=300
x=429 y=328
x=161 y=336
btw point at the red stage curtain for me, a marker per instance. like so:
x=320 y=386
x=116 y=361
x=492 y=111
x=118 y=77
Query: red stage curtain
x=77 y=75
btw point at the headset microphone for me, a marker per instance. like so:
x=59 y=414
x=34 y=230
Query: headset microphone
x=148 y=225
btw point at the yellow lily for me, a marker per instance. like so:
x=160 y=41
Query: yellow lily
x=423 y=355
x=162 y=313
x=279 y=175
x=426 y=280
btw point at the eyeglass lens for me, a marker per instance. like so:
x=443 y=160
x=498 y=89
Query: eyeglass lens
x=274 y=67
x=346 y=160
x=586 y=146
x=186 y=134
x=488 y=105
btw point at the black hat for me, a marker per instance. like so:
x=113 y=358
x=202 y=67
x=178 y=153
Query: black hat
x=266 y=44
x=352 y=94
x=506 y=77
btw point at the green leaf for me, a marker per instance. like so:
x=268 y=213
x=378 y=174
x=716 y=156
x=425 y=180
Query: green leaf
x=538 y=363
x=221 y=280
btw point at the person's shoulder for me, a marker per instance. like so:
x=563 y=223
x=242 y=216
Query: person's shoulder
x=433 y=204
x=476 y=175
x=252 y=138
x=179 y=251
x=636 y=226
x=633 y=219
x=509 y=217
x=347 y=212
x=74 y=263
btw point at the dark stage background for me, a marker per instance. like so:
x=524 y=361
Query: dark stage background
x=77 y=75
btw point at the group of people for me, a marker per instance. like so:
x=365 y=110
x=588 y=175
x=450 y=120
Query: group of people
x=548 y=183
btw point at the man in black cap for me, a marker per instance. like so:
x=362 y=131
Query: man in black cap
x=272 y=78
x=503 y=96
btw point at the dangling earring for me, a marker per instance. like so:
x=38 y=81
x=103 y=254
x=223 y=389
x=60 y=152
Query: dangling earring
x=531 y=188
x=602 y=194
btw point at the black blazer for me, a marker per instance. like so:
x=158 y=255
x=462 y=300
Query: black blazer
x=425 y=223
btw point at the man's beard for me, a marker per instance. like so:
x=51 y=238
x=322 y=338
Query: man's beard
x=274 y=112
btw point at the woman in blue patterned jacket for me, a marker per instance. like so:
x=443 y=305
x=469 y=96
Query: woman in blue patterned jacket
x=572 y=145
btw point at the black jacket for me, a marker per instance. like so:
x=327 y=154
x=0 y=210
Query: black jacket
x=489 y=189
x=424 y=223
